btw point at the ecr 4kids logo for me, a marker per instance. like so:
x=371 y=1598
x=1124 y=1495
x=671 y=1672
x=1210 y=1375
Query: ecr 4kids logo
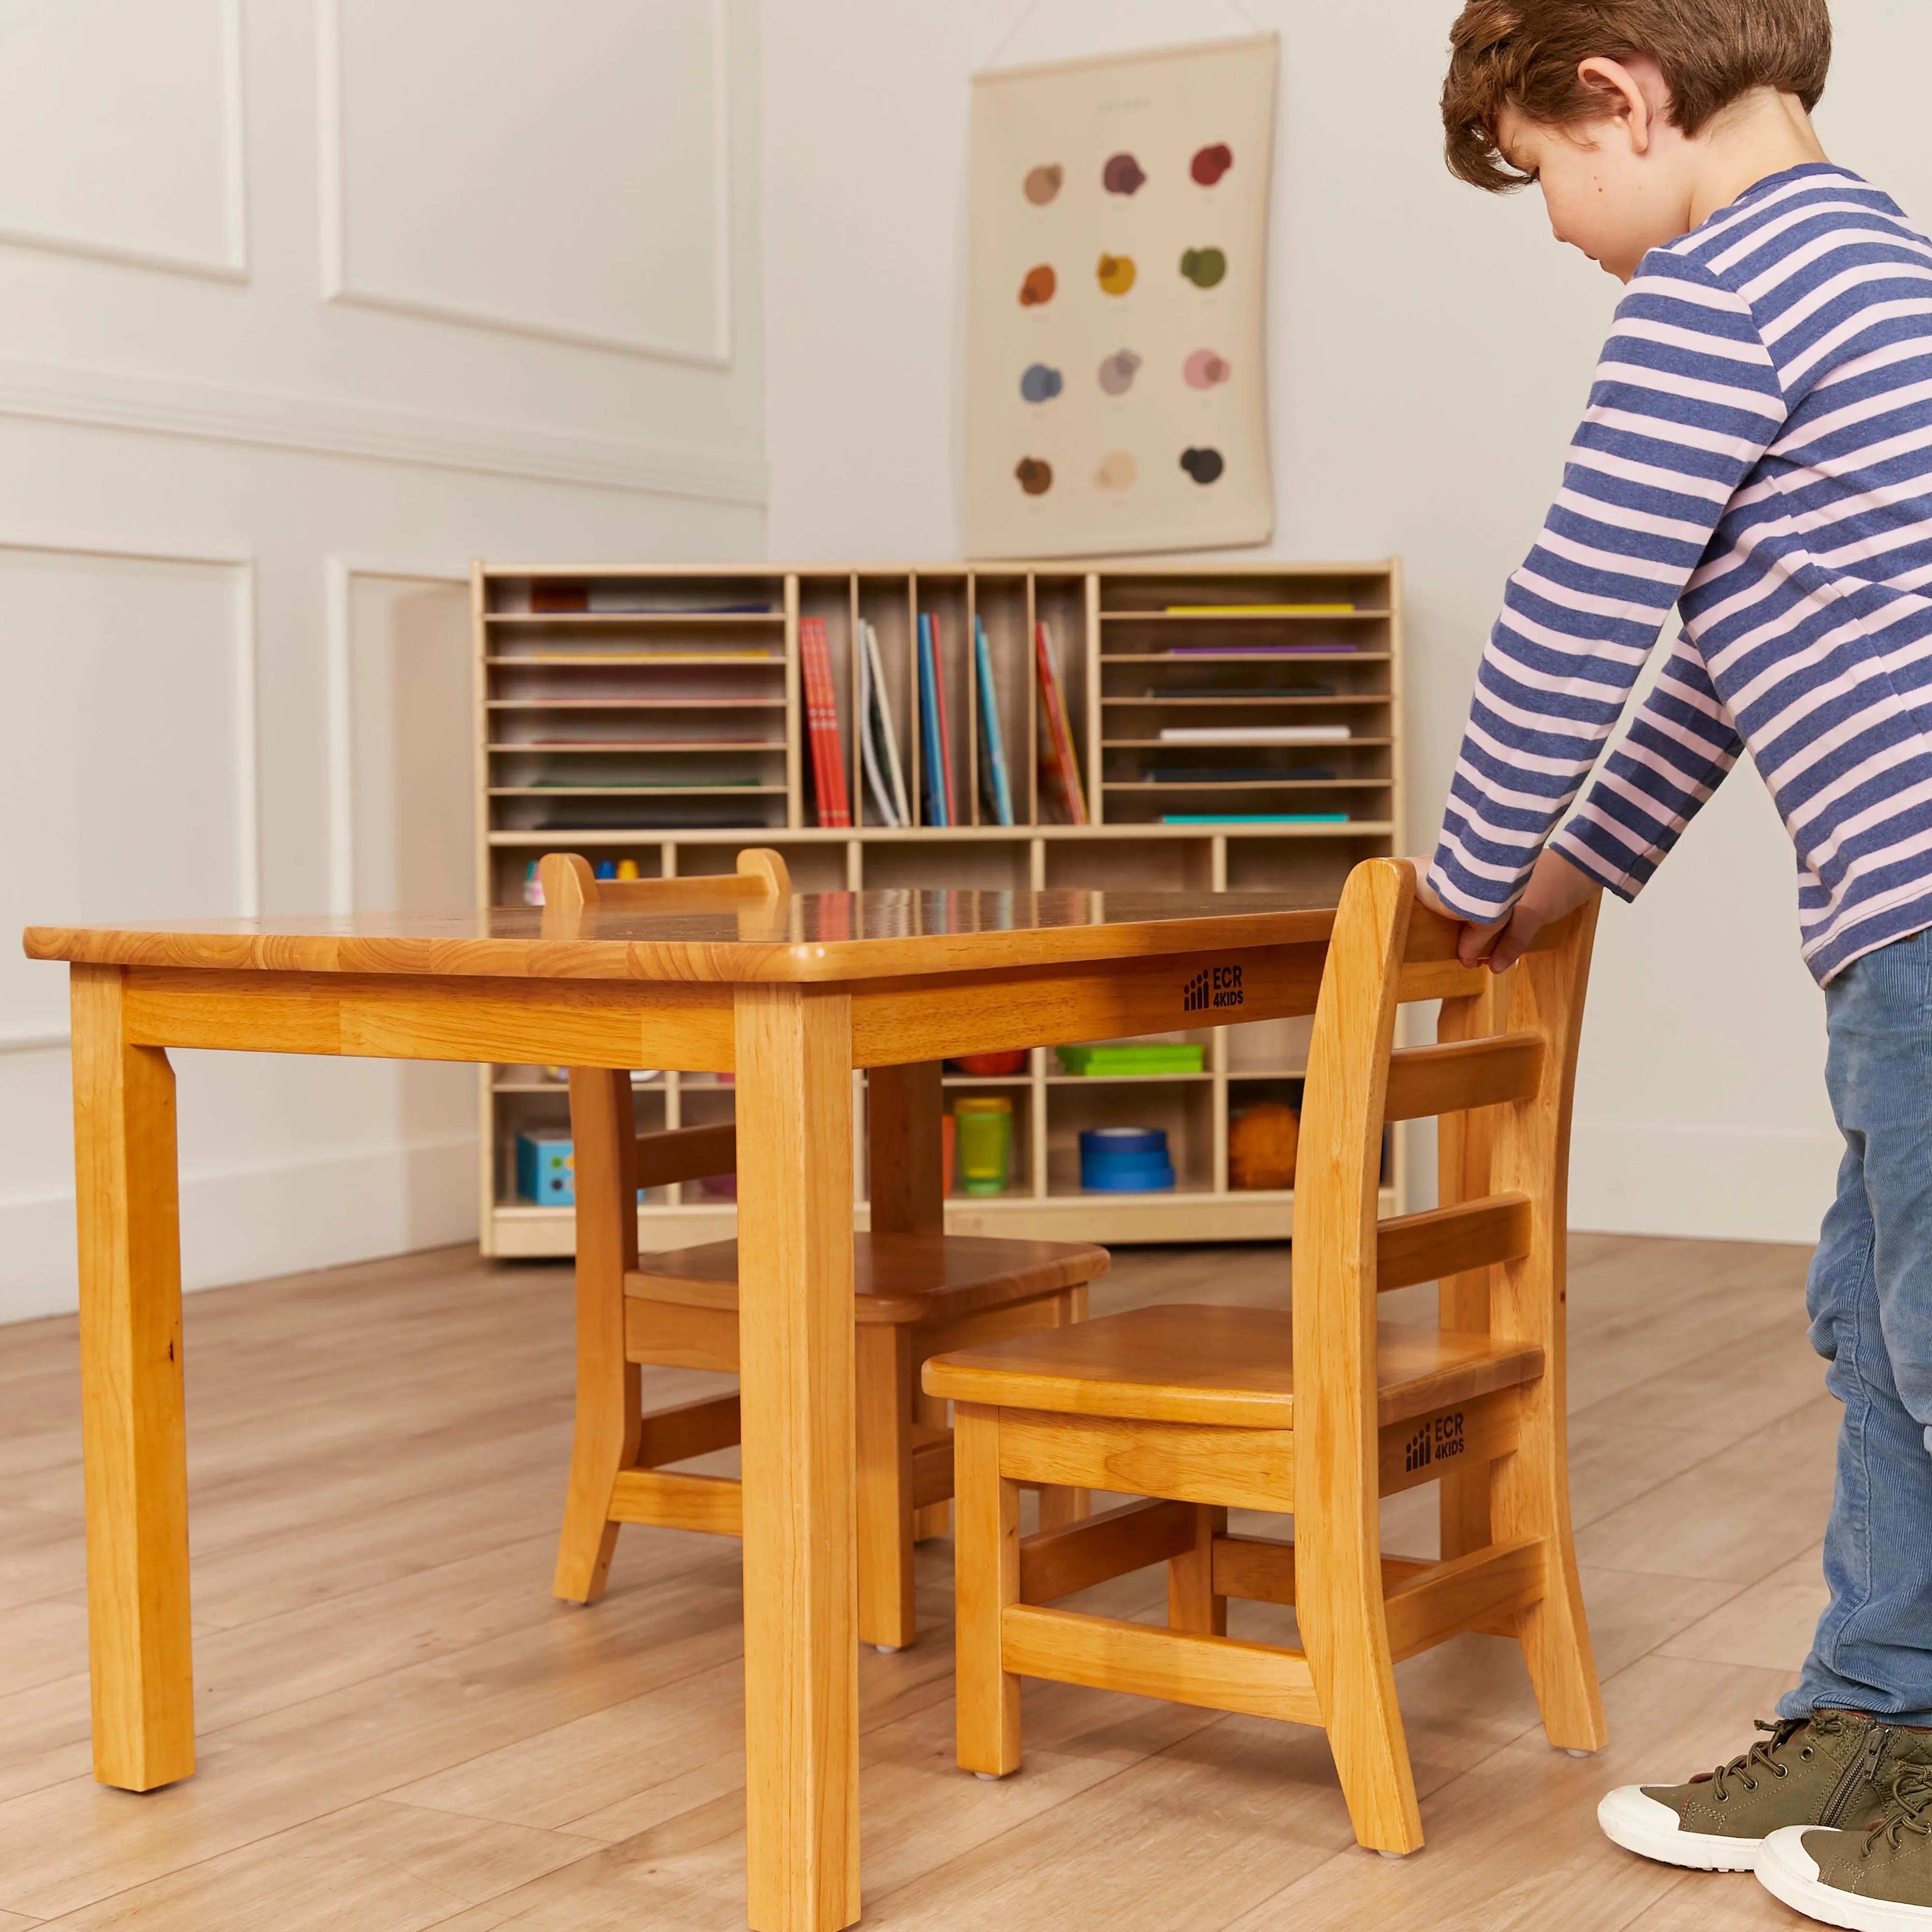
x=1212 y=986
x=1435 y=1442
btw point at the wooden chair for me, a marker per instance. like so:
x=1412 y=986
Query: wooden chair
x=918 y=1290
x=1320 y=1410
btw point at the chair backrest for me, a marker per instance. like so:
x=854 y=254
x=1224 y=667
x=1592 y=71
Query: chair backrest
x=570 y=886
x=605 y=1143
x=1500 y=1079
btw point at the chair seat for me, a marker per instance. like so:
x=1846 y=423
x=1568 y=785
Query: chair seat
x=1233 y=1366
x=898 y=1278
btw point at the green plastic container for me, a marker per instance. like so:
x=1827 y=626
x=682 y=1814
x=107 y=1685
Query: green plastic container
x=984 y=1133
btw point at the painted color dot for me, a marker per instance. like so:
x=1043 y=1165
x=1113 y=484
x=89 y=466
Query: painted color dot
x=1035 y=478
x=1203 y=465
x=1117 y=372
x=1122 y=175
x=1116 y=273
x=1117 y=471
x=1204 y=267
x=1038 y=287
x=1210 y=164
x=1041 y=184
x=1204 y=369
x=1040 y=384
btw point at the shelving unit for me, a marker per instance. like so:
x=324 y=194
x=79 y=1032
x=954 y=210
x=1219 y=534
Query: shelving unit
x=663 y=723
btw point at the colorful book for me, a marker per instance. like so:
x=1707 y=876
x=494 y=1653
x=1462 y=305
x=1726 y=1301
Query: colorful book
x=878 y=743
x=929 y=635
x=1059 y=766
x=993 y=774
x=821 y=717
x=932 y=783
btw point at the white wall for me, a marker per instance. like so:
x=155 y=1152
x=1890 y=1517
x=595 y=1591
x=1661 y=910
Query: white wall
x=1432 y=350
x=301 y=308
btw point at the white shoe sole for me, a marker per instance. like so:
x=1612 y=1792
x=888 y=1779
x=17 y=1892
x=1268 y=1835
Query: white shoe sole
x=1789 y=1872
x=1652 y=1830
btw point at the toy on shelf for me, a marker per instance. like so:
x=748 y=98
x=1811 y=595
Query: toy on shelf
x=545 y=1172
x=984 y=1131
x=1262 y=1141
x=1125 y=1160
x=1155 y=1057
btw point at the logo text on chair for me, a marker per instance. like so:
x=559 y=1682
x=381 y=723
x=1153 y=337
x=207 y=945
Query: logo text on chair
x=1212 y=986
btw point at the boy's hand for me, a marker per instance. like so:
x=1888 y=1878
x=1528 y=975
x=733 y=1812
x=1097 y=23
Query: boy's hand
x=1555 y=887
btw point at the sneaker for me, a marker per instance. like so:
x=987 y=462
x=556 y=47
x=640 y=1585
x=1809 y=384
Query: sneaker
x=1833 y=1767
x=1877 y=1880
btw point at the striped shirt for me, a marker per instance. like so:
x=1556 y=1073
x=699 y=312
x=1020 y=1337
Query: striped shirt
x=1758 y=452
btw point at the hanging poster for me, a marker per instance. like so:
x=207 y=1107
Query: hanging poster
x=1116 y=394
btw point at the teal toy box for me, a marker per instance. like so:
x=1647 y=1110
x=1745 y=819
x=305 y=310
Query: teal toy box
x=545 y=1172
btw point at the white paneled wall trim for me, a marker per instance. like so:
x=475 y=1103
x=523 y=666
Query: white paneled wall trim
x=82 y=172
x=339 y=573
x=117 y=400
x=551 y=243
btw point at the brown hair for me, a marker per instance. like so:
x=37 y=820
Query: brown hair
x=1524 y=54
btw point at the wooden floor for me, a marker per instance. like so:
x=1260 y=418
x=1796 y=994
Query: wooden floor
x=399 y=1729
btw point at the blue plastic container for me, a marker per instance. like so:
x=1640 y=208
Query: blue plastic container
x=1125 y=1160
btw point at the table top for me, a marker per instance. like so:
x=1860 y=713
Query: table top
x=804 y=937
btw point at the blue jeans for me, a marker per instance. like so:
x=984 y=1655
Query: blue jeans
x=1870 y=1300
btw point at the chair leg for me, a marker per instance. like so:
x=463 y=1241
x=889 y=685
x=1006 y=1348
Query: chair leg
x=887 y=1617
x=1532 y=1498
x=1192 y=1604
x=986 y=1571
x=935 y=1518
x=1058 y=1505
x=605 y=1439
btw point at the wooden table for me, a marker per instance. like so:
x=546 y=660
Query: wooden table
x=789 y=995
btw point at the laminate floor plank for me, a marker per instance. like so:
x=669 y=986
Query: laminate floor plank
x=400 y=1730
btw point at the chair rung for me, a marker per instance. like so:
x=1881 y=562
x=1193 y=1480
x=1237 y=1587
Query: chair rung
x=714 y=1503
x=1194 y=1462
x=1467 y=1593
x=932 y=1469
x=1460 y=1074
x=691 y=1428
x=1260 y=1570
x=1219 y=1673
x=1057 y=1562
x=1442 y=1241
x=687 y=1153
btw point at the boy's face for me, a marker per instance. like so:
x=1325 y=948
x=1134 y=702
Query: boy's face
x=1615 y=187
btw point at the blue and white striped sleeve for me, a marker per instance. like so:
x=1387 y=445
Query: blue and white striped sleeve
x=1680 y=744
x=1685 y=400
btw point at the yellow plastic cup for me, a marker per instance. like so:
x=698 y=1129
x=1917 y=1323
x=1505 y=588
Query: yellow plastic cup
x=984 y=1132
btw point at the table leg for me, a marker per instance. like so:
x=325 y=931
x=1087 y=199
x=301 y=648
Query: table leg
x=906 y=1186
x=795 y=1369
x=132 y=1422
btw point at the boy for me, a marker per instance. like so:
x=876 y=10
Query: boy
x=1758 y=450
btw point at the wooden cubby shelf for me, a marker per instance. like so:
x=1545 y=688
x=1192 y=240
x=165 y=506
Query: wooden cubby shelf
x=656 y=714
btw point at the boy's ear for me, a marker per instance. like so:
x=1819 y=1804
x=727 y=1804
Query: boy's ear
x=1625 y=98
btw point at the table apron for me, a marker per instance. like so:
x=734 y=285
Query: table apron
x=668 y=1023
x=384 y=1016
x=935 y=1016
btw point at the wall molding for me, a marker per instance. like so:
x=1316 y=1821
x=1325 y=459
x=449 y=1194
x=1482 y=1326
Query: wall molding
x=336 y=287
x=246 y=776
x=339 y=572
x=233 y=267
x=164 y=406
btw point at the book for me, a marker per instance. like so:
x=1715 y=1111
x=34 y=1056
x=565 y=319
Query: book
x=932 y=803
x=1254 y=818
x=1261 y=650
x=821 y=714
x=993 y=774
x=1059 y=766
x=940 y=766
x=1255 y=734
x=1258 y=610
x=878 y=743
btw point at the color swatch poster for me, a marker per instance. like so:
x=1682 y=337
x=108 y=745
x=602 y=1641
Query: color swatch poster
x=1116 y=393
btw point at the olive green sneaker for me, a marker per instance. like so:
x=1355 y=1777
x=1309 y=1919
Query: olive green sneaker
x=1834 y=1768
x=1877 y=1880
